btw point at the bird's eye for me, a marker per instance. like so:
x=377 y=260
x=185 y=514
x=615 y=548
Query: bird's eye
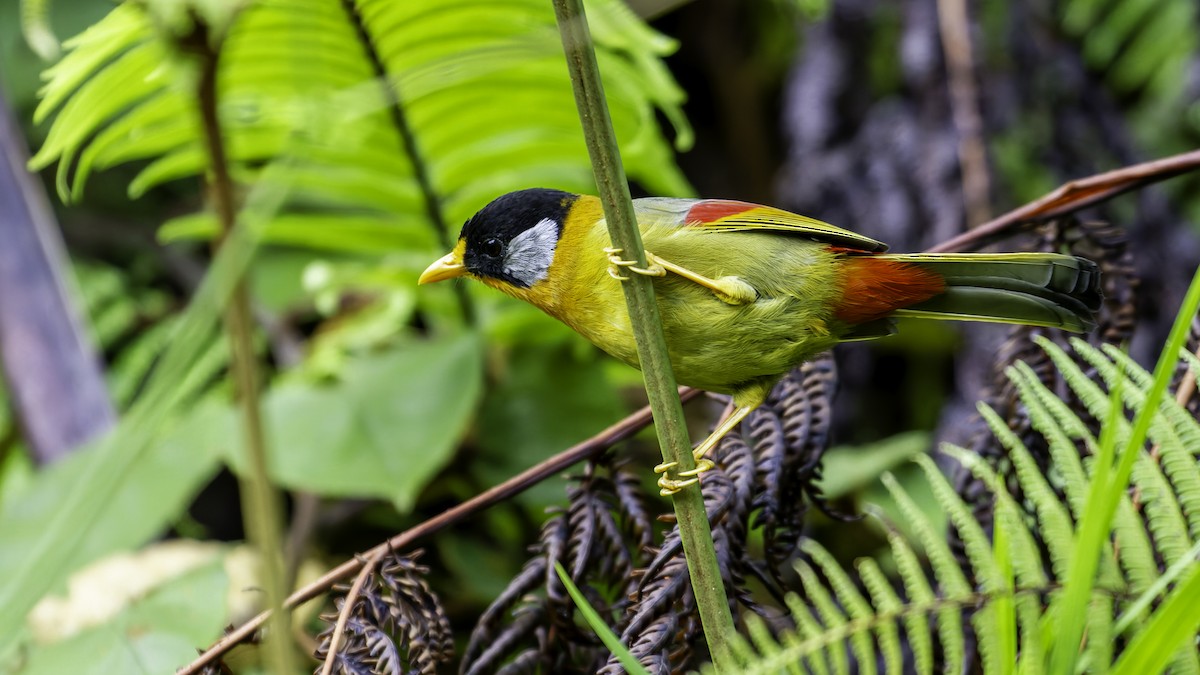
x=492 y=248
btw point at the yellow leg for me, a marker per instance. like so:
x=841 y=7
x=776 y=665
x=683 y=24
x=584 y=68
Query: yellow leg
x=729 y=289
x=669 y=486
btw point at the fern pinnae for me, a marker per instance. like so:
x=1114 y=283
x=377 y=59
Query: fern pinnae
x=977 y=543
x=1063 y=451
x=1026 y=560
x=126 y=25
x=918 y=590
x=810 y=632
x=101 y=98
x=1192 y=361
x=849 y=596
x=1174 y=430
x=1060 y=412
x=1184 y=425
x=761 y=644
x=979 y=551
x=1137 y=555
x=1163 y=514
x=1001 y=607
x=1029 y=615
x=887 y=602
x=830 y=614
x=1098 y=647
x=1052 y=516
x=950 y=577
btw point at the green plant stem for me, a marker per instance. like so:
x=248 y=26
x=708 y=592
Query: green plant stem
x=673 y=440
x=260 y=502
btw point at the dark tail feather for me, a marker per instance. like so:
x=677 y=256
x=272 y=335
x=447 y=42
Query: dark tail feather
x=1036 y=289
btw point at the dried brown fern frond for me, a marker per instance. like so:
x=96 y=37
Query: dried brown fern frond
x=605 y=539
x=395 y=626
x=600 y=538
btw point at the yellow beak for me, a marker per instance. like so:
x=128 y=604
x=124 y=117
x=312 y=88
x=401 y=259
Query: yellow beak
x=446 y=267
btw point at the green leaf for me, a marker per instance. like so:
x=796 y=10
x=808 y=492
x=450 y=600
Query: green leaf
x=146 y=499
x=848 y=468
x=154 y=635
x=385 y=429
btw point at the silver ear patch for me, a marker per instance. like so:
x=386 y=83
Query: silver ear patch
x=530 y=253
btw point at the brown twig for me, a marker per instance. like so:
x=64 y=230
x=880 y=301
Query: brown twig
x=964 y=108
x=1073 y=196
x=515 y=485
x=347 y=606
x=1187 y=386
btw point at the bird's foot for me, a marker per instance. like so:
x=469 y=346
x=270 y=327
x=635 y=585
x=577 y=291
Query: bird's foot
x=669 y=486
x=616 y=264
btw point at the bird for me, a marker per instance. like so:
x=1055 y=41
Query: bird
x=746 y=292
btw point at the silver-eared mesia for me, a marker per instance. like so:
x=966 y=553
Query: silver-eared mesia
x=747 y=292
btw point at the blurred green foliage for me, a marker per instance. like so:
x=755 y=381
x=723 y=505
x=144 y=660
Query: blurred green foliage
x=376 y=407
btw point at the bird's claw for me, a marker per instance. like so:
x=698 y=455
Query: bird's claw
x=616 y=263
x=669 y=486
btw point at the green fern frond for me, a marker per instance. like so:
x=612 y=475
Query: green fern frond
x=1164 y=514
x=831 y=616
x=979 y=552
x=951 y=579
x=919 y=592
x=807 y=639
x=885 y=598
x=848 y=596
x=1018 y=569
x=479 y=86
x=1052 y=516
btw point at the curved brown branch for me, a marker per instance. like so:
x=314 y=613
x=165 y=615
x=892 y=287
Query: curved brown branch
x=513 y=486
x=1073 y=196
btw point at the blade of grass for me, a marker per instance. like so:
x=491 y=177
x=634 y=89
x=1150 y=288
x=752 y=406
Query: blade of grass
x=609 y=638
x=1184 y=564
x=1003 y=606
x=1169 y=627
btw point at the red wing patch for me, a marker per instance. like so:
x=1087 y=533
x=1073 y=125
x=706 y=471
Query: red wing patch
x=874 y=287
x=712 y=210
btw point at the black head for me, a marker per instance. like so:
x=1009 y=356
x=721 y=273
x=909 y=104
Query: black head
x=513 y=239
